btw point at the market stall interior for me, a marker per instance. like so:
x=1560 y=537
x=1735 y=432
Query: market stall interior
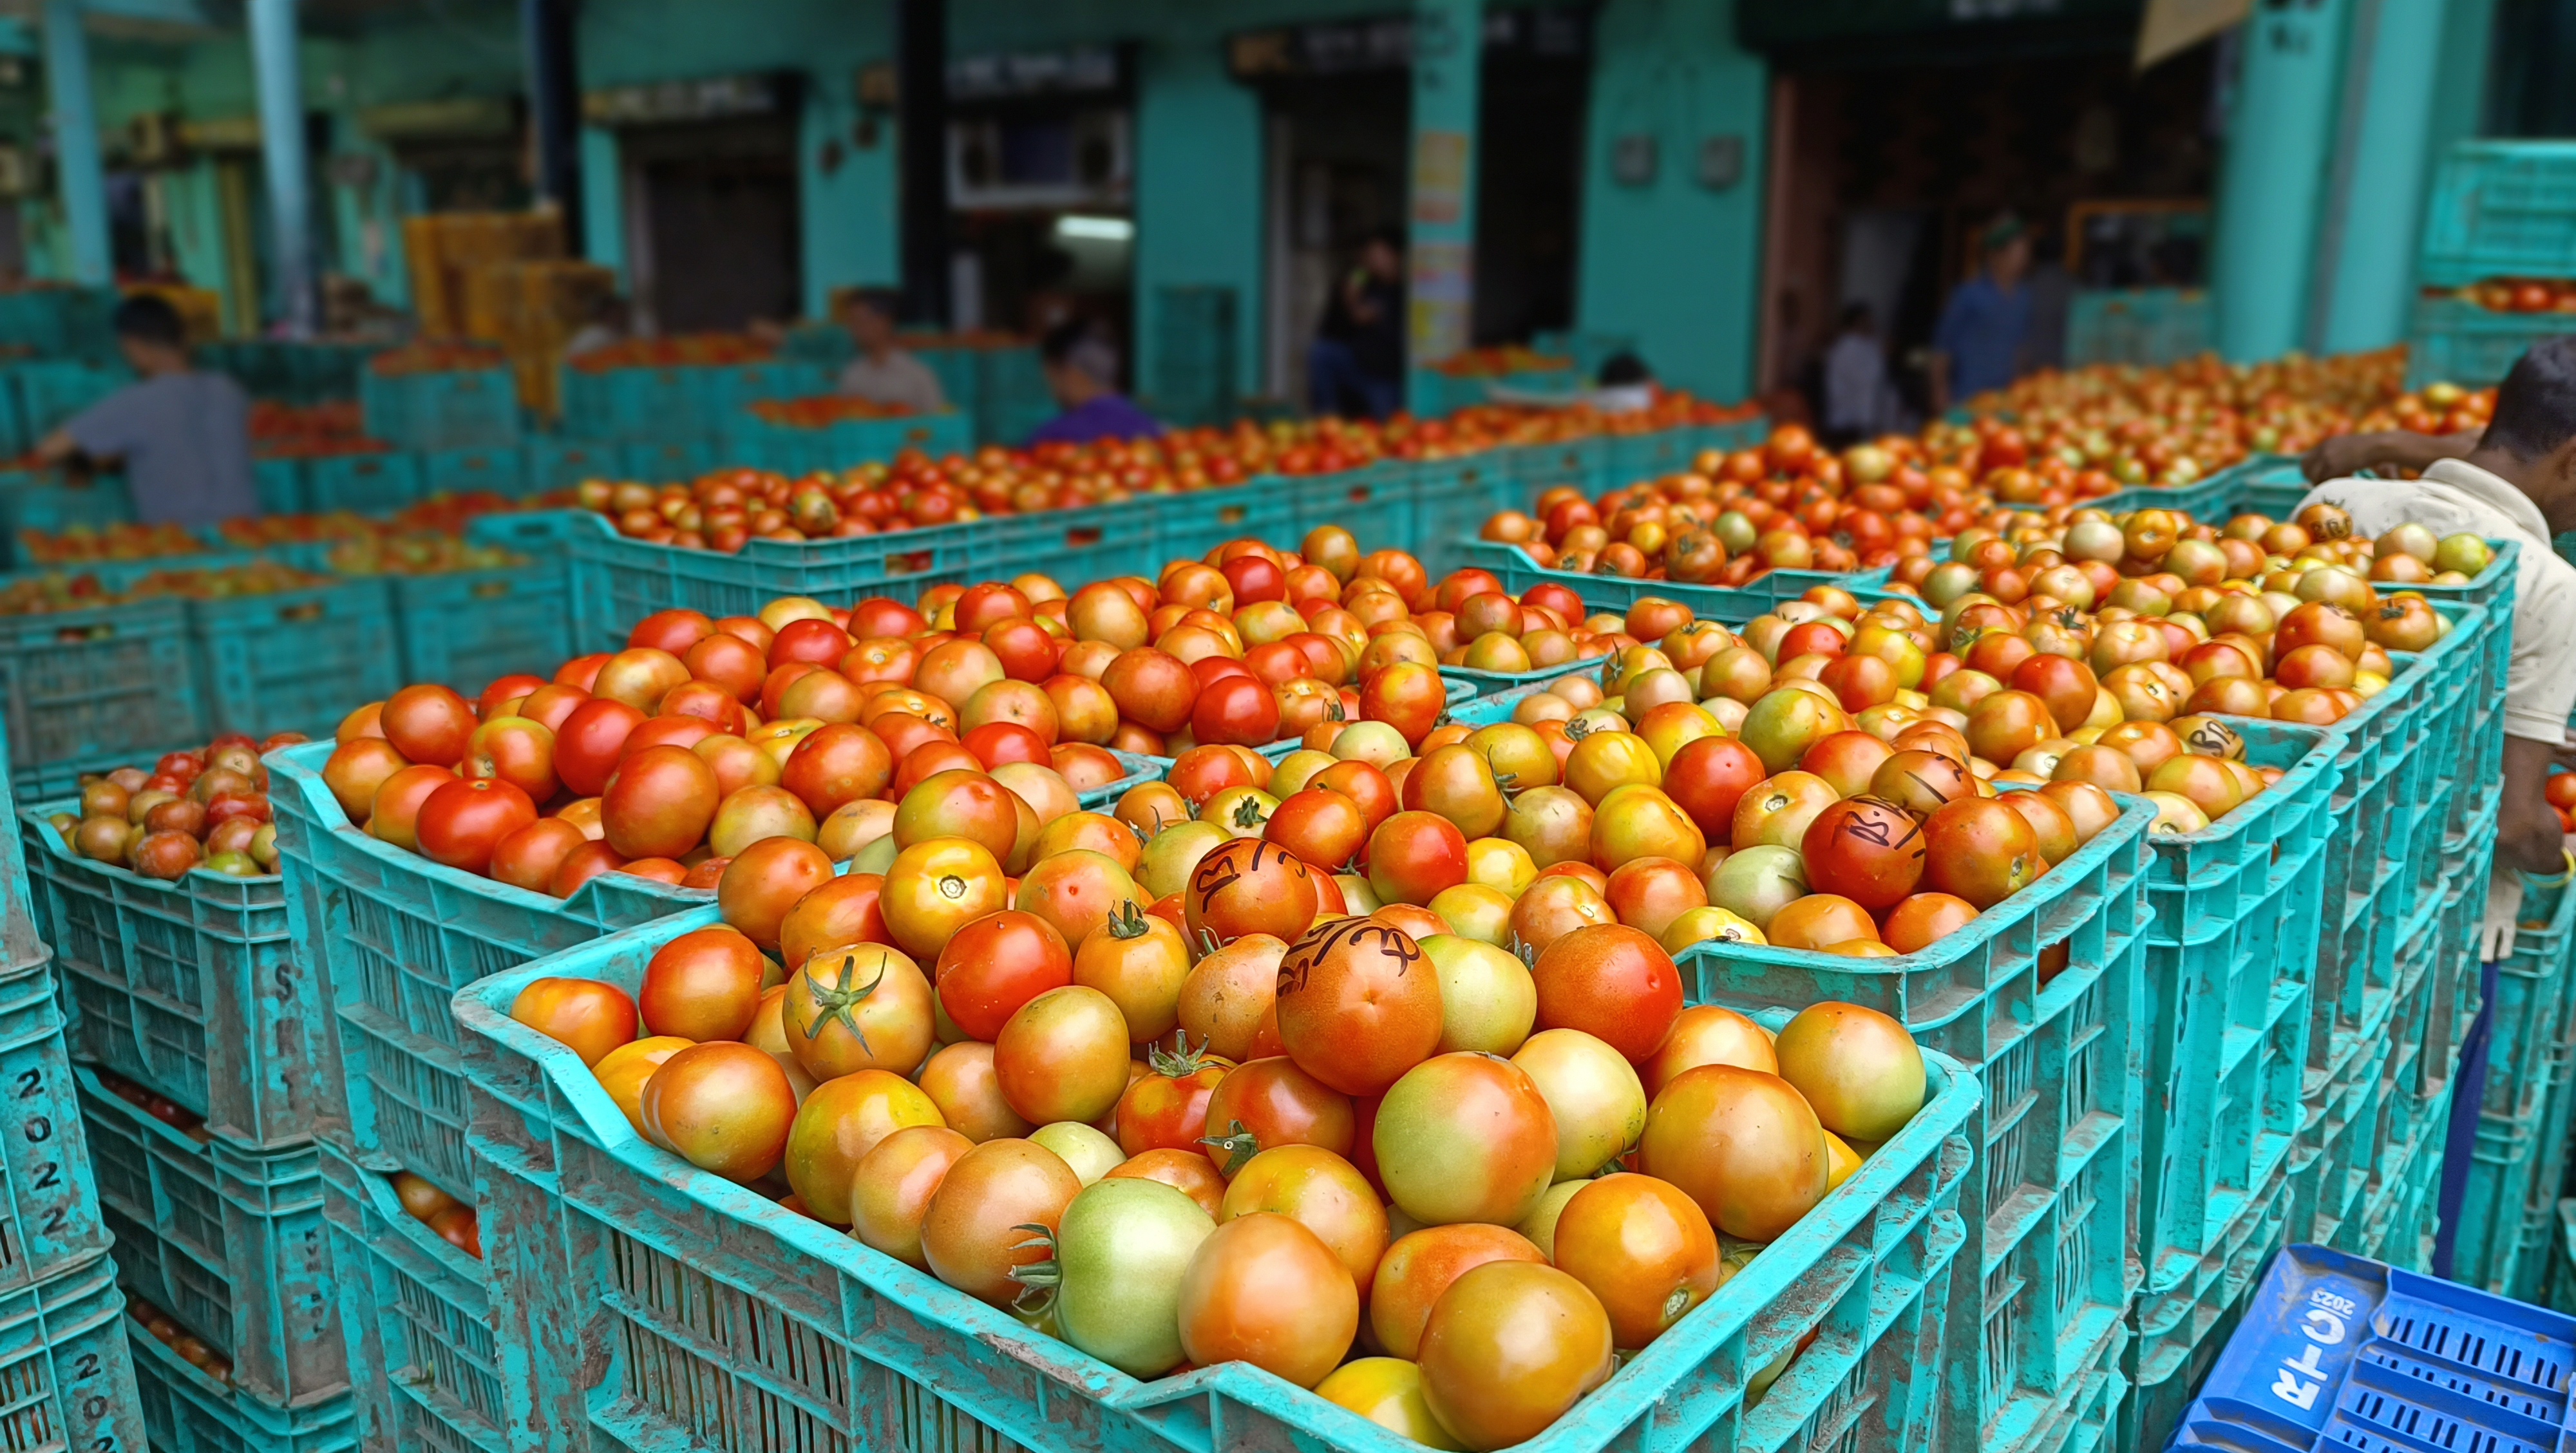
x=976 y=724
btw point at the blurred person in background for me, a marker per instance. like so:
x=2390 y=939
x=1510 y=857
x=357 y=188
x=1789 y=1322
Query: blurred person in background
x=2052 y=294
x=1978 y=345
x=1356 y=363
x=182 y=436
x=1860 y=399
x=883 y=373
x=1082 y=373
x=612 y=321
x=2516 y=481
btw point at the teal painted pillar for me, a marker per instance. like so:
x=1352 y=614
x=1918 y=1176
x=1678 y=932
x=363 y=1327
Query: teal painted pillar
x=1199 y=206
x=286 y=166
x=2397 y=67
x=76 y=156
x=603 y=201
x=2272 y=190
x=1448 y=49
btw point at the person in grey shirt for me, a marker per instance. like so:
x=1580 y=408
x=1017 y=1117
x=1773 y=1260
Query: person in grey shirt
x=183 y=436
x=883 y=373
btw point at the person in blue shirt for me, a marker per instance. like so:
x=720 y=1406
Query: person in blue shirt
x=1082 y=373
x=182 y=436
x=1978 y=344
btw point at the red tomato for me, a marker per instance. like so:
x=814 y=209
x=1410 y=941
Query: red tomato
x=1612 y=982
x=463 y=821
x=1359 y=1004
x=996 y=964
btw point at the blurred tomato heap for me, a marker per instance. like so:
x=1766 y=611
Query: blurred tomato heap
x=727 y=508
x=453 y=1220
x=1785 y=505
x=1246 y=1123
x=425 y=538
x=205 y=809
x=2562 y=798
x=2437 y=408
x=436 y=357
x=824 y=411
x=2521 y=295
x=683 y=350
x=273 y=424
x=91 y=544
x=2174 y=425
x=1498 y=361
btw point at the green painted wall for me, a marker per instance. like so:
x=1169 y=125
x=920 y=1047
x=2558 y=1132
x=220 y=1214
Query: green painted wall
x=1672 y=263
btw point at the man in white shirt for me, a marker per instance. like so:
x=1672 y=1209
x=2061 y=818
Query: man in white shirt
x=2516 y=481
x=1860 y=403
x=883 y=373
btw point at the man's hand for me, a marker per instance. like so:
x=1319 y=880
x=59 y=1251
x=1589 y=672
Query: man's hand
x=2346 y=455
x=2504 y=913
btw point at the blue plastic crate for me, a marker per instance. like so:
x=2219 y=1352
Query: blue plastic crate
x=2453 y=341
x=228 y=1241
x=2174 y=1336
x=464 y=409
x=497 y=469
x=295 y=660
x=469 y=628
x=555 y=464
x=49 y=1220
x=189 y=988
x=67 y=1366
x=113 y=679
x=617 y=581
x=2500 y=209
x=1869 y=1270
x=424 y=1367
x=389 y=938
x=367 y=484
x=185 y=1411
x=2338 y=1350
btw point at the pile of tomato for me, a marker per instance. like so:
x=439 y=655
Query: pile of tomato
x=679 y=350
x=164 y=1328
x=2438 y=408
x=1789 y=504
x=435 y=356
x=454 y=1222
x=1500 y=361
x=1246 y=1120
x=2521 y=295
x=93 y=544
x=203 y=809
x=423 y=537
x=823 y=411
x=2181 y=423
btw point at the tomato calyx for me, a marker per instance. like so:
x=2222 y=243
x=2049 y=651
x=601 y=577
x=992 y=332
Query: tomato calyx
x=839 y=1001
x=1577 y=729
x=1520 y=949
x=1039 y=1280
x=1247 y=813
x=1127 y=921
x=1180 y=1062
x=1240 y=1146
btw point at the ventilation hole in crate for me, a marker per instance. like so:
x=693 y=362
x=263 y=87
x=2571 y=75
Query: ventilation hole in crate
x=2075 y=1203
x=2004 y=1290
x=926 y=1423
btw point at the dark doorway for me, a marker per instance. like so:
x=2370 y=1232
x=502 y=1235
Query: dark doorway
x=717 y=206
x=1529 y=188
x=1337 y=149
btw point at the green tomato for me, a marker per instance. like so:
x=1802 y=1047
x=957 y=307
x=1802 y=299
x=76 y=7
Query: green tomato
x=1119 y=1254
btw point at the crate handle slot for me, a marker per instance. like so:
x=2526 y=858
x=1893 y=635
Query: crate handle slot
x=912 y=564
x=311 y=610
x=491 y=589
x=1082 y=535
x=1231 y=515
x=1360 y=494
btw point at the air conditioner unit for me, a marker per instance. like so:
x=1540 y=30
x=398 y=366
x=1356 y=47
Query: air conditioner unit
x=1047 y=161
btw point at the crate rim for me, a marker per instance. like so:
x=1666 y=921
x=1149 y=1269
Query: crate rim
x=39 y=818
x=481 y=1009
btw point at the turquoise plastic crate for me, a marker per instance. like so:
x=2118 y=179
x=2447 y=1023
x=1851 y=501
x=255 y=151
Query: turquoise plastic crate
x=228 y=1241
x=792 y=450
x=367 y=484
x=1190 y=525
x=2232 y=943
x=469 y=628
x=40 y=500
x=731 y=388
x=67 y=1366
x=49 y=1220
x=295 y=660
x=1079 y=546
x=189 y=988
x=497 y=469
x=636 y=403
x=669 y=461
x=279 y=482
x=59 y=321
x=2501 y=209
x=1582 y=464
x=1732 y=604
x=185 y=1411
x=52 y=391
x=1453 y=498
x=424 y=1367
x=20 y=948
x=119 y=679
x=2451 y=341
x=2148 y=327
x=2175 y=1336
x=617 y=581
x=589 y=1217
x=2055 y=1216
x=465 y=409
x=1011 y=395
x=555 y=464
x=389 y=938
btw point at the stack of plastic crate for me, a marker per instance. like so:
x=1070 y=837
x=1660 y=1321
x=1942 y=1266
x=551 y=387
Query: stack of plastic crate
x=67 y=1353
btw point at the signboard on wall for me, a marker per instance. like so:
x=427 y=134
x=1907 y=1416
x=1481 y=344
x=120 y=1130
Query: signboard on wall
x=1385 y=42
x=708 y=98
x=1785 y=24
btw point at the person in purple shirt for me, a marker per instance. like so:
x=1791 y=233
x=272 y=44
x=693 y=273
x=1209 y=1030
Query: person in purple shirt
x=1082 y=373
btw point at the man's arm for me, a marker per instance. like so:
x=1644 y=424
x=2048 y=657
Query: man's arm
x=2348 y=454
x=2528 y=836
